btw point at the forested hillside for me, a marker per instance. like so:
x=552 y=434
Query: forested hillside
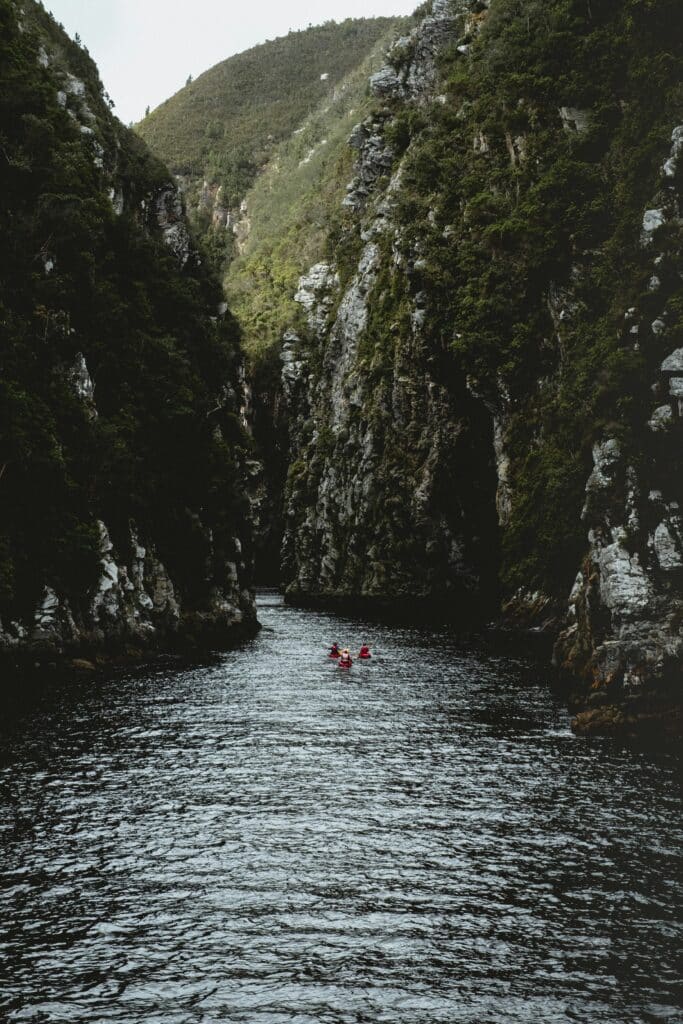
x=222 y=127
x=289 y=210
x=124 y=517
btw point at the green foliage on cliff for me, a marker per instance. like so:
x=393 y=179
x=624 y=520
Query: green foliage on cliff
x=290 y=209
x=265 y=128
x=78 y=278
x=224 y=125
x=532 y=250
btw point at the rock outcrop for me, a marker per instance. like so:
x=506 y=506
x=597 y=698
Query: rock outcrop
x=133 y=610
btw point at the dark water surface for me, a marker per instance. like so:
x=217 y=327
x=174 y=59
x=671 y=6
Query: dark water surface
x=269 y=839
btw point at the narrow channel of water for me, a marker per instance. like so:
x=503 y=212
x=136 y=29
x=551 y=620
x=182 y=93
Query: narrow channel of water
x=268 y=839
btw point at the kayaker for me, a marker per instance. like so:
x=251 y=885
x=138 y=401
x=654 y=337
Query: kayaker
x=364 y=652
x=345 y=661
x=334 y=651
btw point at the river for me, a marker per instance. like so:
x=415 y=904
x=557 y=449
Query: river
x=268 y=839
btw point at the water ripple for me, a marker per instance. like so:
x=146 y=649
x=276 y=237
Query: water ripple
x=267 y=839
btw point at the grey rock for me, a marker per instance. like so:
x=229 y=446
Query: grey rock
x=661 y=418
x=316 y=293
x=412 y=72
x=668 y=548
x=385 y=83
x=359 y=134
x=606 y=457
x=503 y=470
x=82 y=383
x=674 y=362
x=375 y=160
x=624 y=587
x=117 y=200
x=669 y=168
x=74 y=86
x=575 y=119
x=652 y=220
x=170 y=217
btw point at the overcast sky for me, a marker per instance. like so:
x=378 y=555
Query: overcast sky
x=145 y=49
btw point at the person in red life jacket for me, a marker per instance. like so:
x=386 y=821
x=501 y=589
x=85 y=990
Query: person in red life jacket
x=334 y=651
x=345 y=661
x=364 y=652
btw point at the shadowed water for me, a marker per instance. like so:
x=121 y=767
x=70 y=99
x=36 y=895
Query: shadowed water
x=269 y=839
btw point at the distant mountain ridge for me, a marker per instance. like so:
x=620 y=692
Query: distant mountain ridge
x=223 y=125
x=259 y=146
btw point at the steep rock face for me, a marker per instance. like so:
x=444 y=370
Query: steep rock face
x=412 y=72
x=381 y=501
x=501 y=310
x=125 y=519
x=625 y=625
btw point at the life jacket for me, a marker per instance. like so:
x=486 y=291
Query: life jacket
x=364 y=652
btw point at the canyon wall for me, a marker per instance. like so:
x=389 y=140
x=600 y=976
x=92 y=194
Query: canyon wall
x=484 y=404
x=126 y=522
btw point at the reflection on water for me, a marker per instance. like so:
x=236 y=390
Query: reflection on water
x=269 y=839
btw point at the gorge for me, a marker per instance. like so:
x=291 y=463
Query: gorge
x=459 y=295
x=369 y=339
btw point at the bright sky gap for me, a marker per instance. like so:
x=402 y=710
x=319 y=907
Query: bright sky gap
x=146 y=50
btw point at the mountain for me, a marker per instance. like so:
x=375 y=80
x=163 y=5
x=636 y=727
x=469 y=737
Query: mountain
x=287 y=214
x=223 y=126
x=125 y=521
x=480 y=398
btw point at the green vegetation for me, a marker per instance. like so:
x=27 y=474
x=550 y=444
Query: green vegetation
x=523 y=206
x=76 y=277
x=290 y=209
x=264 y=127
x=521 y=227
x=224 y=125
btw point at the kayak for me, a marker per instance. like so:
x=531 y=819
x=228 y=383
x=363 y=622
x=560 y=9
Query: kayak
x=334 y=656
x=343 y=664
x=365 y=657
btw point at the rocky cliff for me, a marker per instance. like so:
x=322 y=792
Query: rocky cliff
x=484 y=397
x=125 y=523
x=390 y=495
x=624 y=628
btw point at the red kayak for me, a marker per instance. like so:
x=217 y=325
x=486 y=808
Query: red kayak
x=345 y=664
x=334 y=655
